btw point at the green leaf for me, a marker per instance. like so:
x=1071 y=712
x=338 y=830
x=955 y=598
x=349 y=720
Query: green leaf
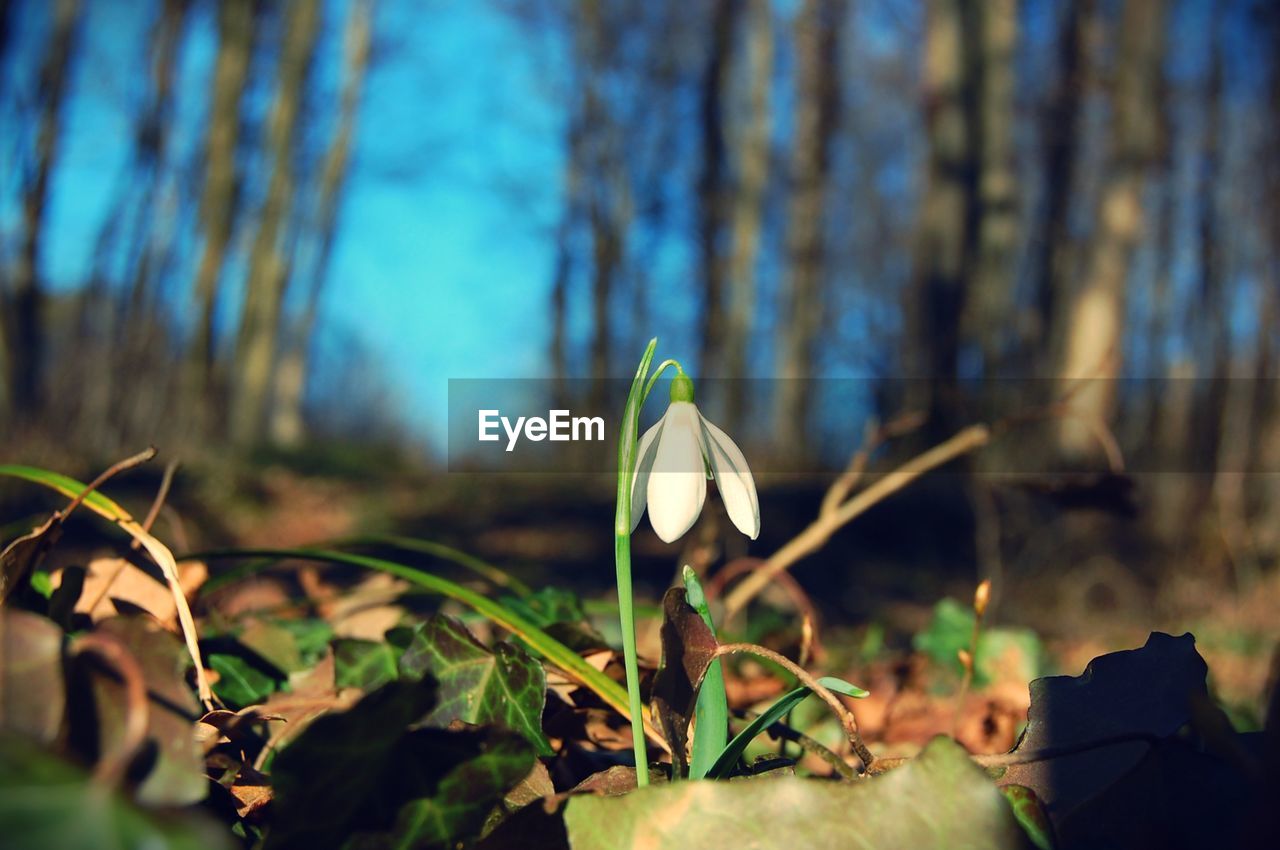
x=239 y=683
x=1030 y=814
x=1017 y=652
x=940 y=799
x=364 y=664
x=274 y=644
x=47 y=804
x=365 y=774
x=477 y=686
x=484 y=764
x=42 y=584
x=310 y=636
x=711 y=712
x=546 y=607
x=949 y=630
x=337 y=775
x=728 y=758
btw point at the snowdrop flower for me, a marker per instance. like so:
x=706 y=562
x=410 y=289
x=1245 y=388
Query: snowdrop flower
x=673 y=462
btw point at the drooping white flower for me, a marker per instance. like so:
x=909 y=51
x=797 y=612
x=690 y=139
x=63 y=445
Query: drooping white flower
x=673 y=461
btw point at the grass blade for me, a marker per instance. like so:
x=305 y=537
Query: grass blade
x=159 y=553
x=552 y=650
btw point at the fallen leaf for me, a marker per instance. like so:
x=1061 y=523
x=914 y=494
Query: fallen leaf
x=48 y=804
x=23 y=555
x=33 y=694
x=173 y=757
x=1138 y=693
x=373 y=777
x=940 y=799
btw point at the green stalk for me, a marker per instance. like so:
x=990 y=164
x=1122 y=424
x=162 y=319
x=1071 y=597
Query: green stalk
x=627 y=438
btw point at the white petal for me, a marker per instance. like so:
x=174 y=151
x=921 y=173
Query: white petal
x=677 y=485
x=645 y=453
x=733 y=477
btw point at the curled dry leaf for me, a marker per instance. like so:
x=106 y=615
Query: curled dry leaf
x=23 y=555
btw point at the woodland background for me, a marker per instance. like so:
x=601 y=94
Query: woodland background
x=944 y=201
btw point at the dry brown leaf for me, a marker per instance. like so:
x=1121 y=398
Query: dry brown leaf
x=115 y=585
x=23 y=555
x=367 y=610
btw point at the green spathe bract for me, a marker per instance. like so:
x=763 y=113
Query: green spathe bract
x=711 y=713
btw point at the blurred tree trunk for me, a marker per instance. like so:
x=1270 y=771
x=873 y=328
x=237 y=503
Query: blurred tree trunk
x=24 y=310
x=817 y=98
x=258 y=340
x=1265 y=456
x=944 y=238
x=751 y=146
x=1061 y=138
x=988 y=297
x=153 y=146
x=712 y=184
x=562 y=276
x=1095 y=318
x=607 y=202
x=218 y=200
x=287 y=425
x=118 y=330
x=608 y=226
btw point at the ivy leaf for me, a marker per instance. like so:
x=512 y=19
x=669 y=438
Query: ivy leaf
x=547 y=606
x=239 y=683
x=364 y=664
x=476 y=767
x=939 y=799
x=342 y=773
x=505 y=686
x=366 y=774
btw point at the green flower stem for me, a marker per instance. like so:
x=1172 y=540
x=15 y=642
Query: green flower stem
x=622 y=554
x=657 y=373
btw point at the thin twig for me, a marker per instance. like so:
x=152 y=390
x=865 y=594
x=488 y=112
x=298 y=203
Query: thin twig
x=874 y=436
x=811 y=745
x=969 y=657
x=136 y=545
x=157 y=503
x=842 y=711
x=113 y=764
x=821 y=529
x=109 y=473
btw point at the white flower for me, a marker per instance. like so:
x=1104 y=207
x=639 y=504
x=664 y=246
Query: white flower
x=673 y=461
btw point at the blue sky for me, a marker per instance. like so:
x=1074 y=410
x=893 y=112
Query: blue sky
x=442 y=262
